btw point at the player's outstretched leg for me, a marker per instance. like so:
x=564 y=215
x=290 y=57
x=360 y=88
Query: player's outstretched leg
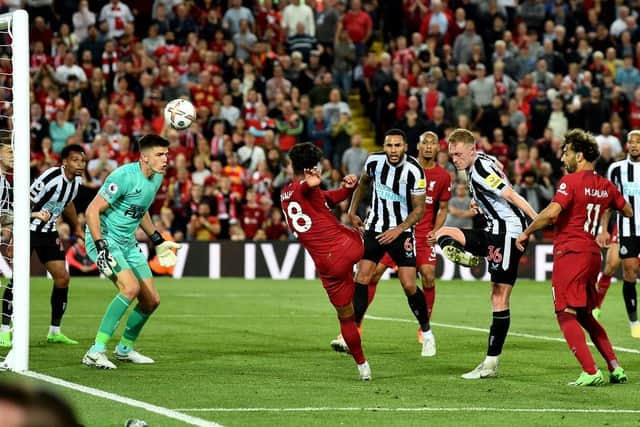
x=96 y=355
x=601 y=341
x=574 y=336
x=7 y=312
x=351 y=336
x=454 y=250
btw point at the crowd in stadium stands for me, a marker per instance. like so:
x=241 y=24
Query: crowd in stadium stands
x=267 y=74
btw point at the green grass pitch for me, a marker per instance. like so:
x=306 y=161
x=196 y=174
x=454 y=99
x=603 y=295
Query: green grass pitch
x=228 y=346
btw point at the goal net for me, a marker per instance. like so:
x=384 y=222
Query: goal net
x=14 y=190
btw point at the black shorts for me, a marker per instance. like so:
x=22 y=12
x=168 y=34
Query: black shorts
x=500 y=251
x=48 y=246
x=629 y=247
x=402 y=250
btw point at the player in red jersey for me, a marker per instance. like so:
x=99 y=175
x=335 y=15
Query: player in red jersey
x=334 y=248
x=581 y=198
x=438 y=194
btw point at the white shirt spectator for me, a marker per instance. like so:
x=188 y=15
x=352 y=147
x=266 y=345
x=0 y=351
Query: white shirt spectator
x=250 y=157
x=64 y=71
x=230 y=113
x=612 y=141
x=117 y=14
x=292 y=14
x=82 y=19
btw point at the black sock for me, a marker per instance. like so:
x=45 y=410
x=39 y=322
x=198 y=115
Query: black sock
x=7 y=303
x=418 y=307
x=360 y=301
x=58 y=304
x=498 y=332
x=449 y=241
x=630 y=300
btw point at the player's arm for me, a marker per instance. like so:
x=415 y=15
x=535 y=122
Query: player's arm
x=164 y=248
x=543 y=219
x=72 y=216
x=346 y=189
x=358 y=195
x=520 y=202
x=95 y=208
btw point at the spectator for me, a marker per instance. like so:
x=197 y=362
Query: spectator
x=354 y=157
x=69 y=68
x=244 y=40
x=460 y=212
x=341 y=133
x=116 y=14
x=537 y=194
x=203 y=226
x=82 y=20
x=297 y=12
x=235 y=14
x=249 y=155
x=60 y=130
x=276 y=228
x=290 y=127
x=558 y=120
x=462 y=48
x=359 y=25
x=605 y=138
x=253 y=215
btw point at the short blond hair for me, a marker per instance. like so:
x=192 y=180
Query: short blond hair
x=429 y=134
x=632 y=133
x=463 y=136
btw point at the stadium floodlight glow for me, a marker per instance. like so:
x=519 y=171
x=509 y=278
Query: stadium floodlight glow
x=14 y=31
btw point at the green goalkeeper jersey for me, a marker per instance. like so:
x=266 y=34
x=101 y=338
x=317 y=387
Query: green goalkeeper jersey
x=129 y=194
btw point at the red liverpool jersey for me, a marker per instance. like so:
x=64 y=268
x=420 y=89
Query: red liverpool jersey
x=584 y=196
x=438 y=190
x=310 y=219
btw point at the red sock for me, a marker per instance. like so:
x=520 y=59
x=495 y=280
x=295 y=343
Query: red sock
x=603 y=287
x=372 y=292
x=599 y=338
x=430 y=298
x=350 y=333
x=574 y=336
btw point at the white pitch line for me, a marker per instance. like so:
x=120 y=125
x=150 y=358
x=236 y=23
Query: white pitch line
x=515 y=334
x=166 y=412
x=375 y=409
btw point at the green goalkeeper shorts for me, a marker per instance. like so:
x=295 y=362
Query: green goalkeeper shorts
x=127 y=257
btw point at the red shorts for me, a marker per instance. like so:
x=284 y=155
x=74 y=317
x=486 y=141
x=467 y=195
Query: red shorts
x=425 y=255
x=335 y=269
x=574 y=278
x=614 y=234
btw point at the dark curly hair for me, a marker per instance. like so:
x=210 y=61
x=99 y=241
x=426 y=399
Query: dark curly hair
x=582 y=142
x=304 y=156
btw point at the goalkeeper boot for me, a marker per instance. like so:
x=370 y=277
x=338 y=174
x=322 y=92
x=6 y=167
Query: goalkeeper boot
x=588 y=380
x=596 y=313
x=617 y=376
x=365 y=371
x=340 y=345
x=133 y=357
x=482 y=371
x=635 y=329
x=97 y=359
x=460 y=256
x=60 y=339
x=5 y=339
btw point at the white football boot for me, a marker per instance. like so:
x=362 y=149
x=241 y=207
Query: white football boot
x=133 y=357
x=98 y=360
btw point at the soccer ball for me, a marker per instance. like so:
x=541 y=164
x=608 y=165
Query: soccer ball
x=179 y=113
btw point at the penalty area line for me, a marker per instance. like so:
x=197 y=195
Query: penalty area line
x=169 y=413
x=423 y=409
x=513 y=334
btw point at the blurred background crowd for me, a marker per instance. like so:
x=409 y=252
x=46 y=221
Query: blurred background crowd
x=265 y=75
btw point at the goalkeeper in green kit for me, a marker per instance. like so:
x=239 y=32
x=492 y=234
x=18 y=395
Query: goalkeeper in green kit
x=113 y=217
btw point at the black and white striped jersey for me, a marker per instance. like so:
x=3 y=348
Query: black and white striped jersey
x=625 y=175
x=52 y=191
x=6 y=200
x=487 y=181
x=392 y=188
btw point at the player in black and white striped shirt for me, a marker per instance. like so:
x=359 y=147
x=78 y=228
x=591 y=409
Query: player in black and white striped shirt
x=625 y=174
x=398 y=186
x=506 y=213
x=6 y=236
x=52 y=195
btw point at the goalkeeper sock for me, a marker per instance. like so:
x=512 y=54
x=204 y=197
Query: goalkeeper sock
x=135 y=322
x=112 y=316
x=7 y=303
x=498 y=332
x=59 y=298
x=575 y=338
x=630 y=300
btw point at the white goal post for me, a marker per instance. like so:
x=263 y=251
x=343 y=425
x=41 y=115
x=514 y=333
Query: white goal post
x=16 y=25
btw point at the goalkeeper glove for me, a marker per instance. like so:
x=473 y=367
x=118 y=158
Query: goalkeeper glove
x=105 y=261
x=164 y=249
